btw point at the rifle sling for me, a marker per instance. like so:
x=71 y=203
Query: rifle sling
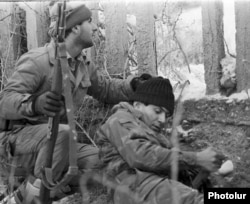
x=69 y=106
x=73 y=168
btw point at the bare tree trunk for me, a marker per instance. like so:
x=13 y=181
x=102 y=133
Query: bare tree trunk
x=8 y=27
x=145 y=37
x=242 y=16
x=116 y=36
x=213 y=43
x=36 y=23
x=16 y=27
x=94 y=7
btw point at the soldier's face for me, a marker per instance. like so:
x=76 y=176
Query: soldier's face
x=154 y=116
x=87 y=29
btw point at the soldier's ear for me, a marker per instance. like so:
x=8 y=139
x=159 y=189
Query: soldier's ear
x=75 y=29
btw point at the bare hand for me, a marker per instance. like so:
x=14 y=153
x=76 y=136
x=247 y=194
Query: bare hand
x=210 y=159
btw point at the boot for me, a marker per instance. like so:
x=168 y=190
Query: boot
x=29 y=192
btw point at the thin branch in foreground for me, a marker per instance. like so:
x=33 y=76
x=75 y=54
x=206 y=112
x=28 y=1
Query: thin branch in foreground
x=87 y=135
x=174 y=139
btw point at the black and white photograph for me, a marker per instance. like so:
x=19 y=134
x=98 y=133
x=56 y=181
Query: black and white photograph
x=124 y=101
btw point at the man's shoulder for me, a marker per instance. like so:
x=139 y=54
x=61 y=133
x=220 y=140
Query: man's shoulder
x=123 y=117
x=37 y=58
x=41 y=53
x=37 y=53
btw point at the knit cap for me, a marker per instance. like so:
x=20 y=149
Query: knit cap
x=157 y=91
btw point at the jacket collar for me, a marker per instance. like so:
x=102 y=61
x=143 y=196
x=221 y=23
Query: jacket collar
x=51 y=51
x=129 y=108
x=138 y=115
x=125 y=106
x=81 y=71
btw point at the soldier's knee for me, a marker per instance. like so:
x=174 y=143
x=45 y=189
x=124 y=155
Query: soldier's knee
x=88 y=157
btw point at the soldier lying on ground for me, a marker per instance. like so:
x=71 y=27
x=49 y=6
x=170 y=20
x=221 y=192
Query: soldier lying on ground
x=133 y=151
x=26 y=101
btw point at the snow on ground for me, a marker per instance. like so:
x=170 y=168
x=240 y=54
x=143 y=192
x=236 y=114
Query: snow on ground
x=197 y=88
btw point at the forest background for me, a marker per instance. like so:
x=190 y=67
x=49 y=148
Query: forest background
x=180 y=40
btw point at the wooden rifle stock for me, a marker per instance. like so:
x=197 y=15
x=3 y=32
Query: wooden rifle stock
x=56 y=87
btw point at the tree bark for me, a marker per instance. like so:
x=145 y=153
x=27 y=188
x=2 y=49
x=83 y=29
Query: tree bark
x=242 y=16
x=213 y=43
x=145 y=38
x=116 y=36
x=94 y=7
x=37 y=23
x=8 y=25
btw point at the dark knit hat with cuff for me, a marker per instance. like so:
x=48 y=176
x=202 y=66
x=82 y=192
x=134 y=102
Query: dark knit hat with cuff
x=156 y=91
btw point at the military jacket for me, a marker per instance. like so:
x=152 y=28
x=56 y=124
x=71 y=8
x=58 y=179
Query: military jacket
x=127 y=144
x=33 y=75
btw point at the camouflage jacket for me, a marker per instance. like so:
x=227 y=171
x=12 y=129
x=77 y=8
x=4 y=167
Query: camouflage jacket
x=127 y=143
x=33 y=75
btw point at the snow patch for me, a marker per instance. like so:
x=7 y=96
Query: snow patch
x=197 y=88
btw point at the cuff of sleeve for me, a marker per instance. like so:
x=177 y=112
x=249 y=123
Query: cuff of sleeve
x=190 y=157
x=28 y=105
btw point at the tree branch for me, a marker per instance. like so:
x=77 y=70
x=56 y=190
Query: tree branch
x=230 y=54
x=5 y=17
x=166 y=54
x=87 y=135
x=178 y=42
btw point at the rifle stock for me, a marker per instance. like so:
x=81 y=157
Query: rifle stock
x=56 y=87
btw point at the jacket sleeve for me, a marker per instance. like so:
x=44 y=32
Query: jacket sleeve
x=107 y=90
x=137 y=148
x=14 y=99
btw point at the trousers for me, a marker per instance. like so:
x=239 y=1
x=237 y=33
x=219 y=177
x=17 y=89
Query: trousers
x=149 y=188
x=28 y=148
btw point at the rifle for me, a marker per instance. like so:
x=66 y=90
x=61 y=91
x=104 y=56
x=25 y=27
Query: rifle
x=59 y=84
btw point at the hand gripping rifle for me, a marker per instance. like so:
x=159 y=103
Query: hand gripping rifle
x=61 y=82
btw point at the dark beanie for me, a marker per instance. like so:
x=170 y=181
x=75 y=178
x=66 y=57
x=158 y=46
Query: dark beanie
x=156 y=91
x=77 y=16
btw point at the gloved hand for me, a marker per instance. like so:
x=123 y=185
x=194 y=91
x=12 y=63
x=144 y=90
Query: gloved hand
x=48 y=104
x=139 y=80
x=210 y=159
